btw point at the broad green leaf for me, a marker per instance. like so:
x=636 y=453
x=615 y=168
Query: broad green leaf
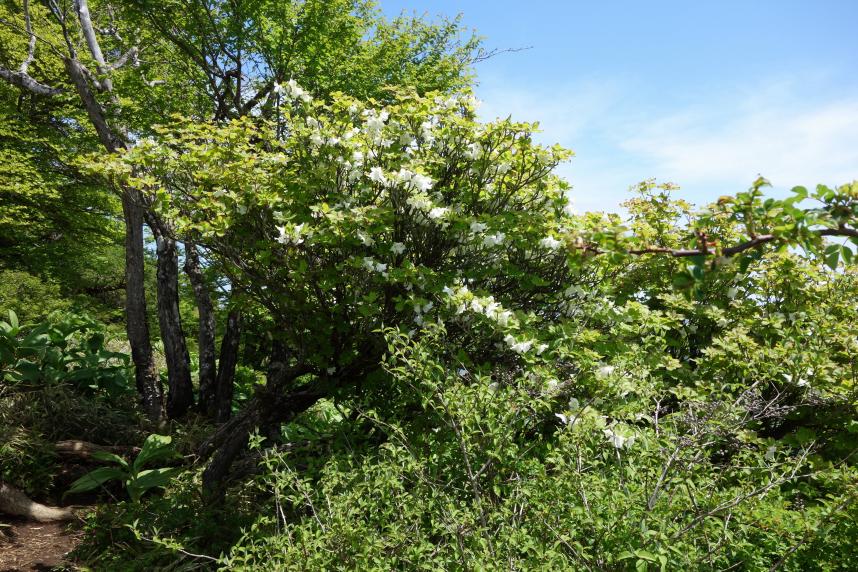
x=95 y=479
x=152 y=478
x=110 y=457
x=155 y=447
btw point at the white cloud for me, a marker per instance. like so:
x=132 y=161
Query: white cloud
x=712 y=147
x=789 y=144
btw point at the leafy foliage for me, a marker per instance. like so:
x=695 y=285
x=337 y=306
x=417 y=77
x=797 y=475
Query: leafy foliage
x=136 y=479
x=70 y=350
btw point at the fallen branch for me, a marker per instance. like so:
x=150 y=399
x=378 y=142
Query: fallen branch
x=84 y=450
x=15 y=503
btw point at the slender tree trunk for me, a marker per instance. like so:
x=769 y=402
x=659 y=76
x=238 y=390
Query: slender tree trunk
x=181 y=390
x=137 y=327
x=206 y=340
x=225 y=386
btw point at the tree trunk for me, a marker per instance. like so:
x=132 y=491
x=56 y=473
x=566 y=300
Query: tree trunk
x=226 y=367
x=181 y=390
x=277 y=402
x=136 y=325
x=206 y=340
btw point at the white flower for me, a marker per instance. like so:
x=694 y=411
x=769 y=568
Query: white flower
x=563 y=418
x=473 y=151
x=770 y=453
x=290 y=235
x=365 y=239
x=421 y=182
x=369 y=263
x=541 y=348
x=503 y=168
x=478 y=227
x=494 y=239
x=605 y=371
x=550 y=243
x=522 y=347
x=316 y=140
x=419 y=202
x=493 y=386
x=803 y=383
x=292 y=90
x=552 y=384
x=380 y=267
x=397 y=248
x=491 y=309
x=377 y=175
x=509 y=340
x=569 y=209
x=438 y=212
x=428 y=306
x=477 y=305
x=574 y=404
x=331 y=370
x=462 y=372
x=448 y=291
x=503 y=318
x=617 y=440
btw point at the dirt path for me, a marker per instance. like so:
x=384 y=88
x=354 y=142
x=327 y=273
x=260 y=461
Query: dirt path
x=33 y=546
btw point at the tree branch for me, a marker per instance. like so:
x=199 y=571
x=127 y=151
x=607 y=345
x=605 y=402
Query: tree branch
x=31 y=43
x=759 y=240
x=25 y=81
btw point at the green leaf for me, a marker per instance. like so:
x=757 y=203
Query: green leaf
x=155 y=447
x=832 y=256
x=153 y=478
x=13 y=319
x=110 y=458
x=95 y=479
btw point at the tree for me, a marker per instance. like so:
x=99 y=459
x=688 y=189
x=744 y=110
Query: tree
x=78 y=77
x=232 y=57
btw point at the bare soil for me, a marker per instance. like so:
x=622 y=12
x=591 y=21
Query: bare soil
x=33 y=546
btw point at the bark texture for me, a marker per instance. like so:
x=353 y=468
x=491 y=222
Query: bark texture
x=206 y=340
x=276 y=403
x=15 y=503
x=225 y=385
x=148 y=381
x=180 y=396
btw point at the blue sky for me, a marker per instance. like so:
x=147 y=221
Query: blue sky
x=704 y=94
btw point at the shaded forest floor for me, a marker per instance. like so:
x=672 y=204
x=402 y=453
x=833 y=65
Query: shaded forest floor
x=33 y=546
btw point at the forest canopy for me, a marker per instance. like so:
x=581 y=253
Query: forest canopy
x=278 y=299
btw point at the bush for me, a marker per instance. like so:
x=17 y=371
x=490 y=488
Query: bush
x=32 y=298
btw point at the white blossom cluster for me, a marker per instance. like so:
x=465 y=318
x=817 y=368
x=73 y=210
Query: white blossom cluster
x=617 y=439
x=292 y=90
x=370 y=264
x=291 y=235
x=463 y=300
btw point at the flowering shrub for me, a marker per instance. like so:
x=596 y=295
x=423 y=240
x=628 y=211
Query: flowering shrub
x=517 y=385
